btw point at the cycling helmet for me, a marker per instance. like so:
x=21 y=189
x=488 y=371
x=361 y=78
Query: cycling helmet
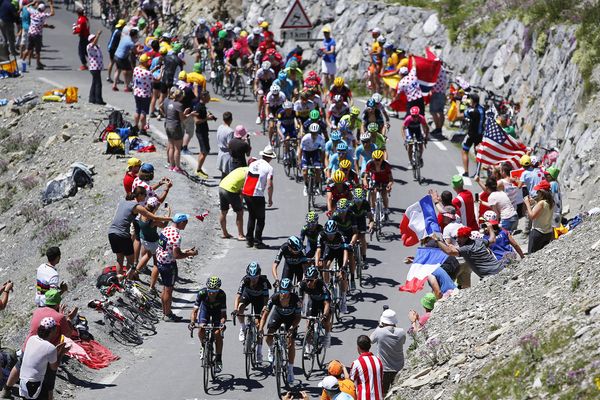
x=237 y=30
x=312 y=217
x=314 y=115
x=201 y=21
x=377 y=98
x=253 y=269
x=490 y=215
x=285 y=285
x=222 y=34
x=330 y=227
x=244 y=34
x=294 y=243
x=339 y=81
x=265 y=65
x=354 y=111
x=338 y=176
x=359 y=194
x=213 y=283
x=365 y=137
x=335 y=136
x=377 y=155
x=373 y=127
x=288 y=105
x=229 y=26
x=275 y=89
x=282 y=75
x=345 y=164
x=381 y=39
x=256 y=31
x=370 y=103
x=342 y=146
x=312 y=272
x=314 y=128
x=342 y=205
x=293 y=64
x=344 y=125
x=415 y=110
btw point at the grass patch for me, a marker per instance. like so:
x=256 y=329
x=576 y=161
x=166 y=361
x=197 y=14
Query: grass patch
x=8 y=191
x=17 y=143
x=77 y=269
x=358 y=88
x=53 y=233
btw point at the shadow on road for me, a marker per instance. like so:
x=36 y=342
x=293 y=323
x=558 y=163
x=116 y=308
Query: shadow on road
x=67 y=376
x=227 y=382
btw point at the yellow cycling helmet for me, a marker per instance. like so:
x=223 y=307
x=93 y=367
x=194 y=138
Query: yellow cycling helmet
x=345 y=164
x=377 y=155
x=243 y=34
x=339 y=81
x=338 y=176
x=144 y=58
x=354 y=111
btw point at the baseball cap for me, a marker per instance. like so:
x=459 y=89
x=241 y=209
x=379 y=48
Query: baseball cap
x=329 y=383
x=180 y=217
x=91 y=37
x=48 y=322
x=553 y=172
x=457 y=180
x=182 y=76
x=120 y=23
x=428 y=301
x=335 y=368
x=147 y=167
x=543 y=185
x=525 y=160
x=464 y=231
x=326 y=29
x=133 y=162
x=449 y=212
x=53 y=297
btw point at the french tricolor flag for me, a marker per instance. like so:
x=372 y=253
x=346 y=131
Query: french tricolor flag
x=427 y=260
x=419 y=221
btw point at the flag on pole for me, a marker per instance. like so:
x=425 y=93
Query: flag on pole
x=497 y=146
x=419 y=220
x=427 y=260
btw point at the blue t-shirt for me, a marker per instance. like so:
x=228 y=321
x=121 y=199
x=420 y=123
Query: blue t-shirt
x=366 y=155
x=502 y=244
x=327 y=45
x=125 y=47
x=446 y=283
x=531 y=178
x=25 y=20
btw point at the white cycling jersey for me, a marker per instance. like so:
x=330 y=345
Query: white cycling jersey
x=275 y=101
x=309 y=144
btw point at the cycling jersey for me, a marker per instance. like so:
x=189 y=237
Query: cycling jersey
x=383 y=176
x=290 y=258
x=308 y=143
x=311 y=235
x=260 y=288
x=294 y=306
x=345 y=223
x=286 y=86
x=375 y=116
x=286 y=118
x=318 y=293
x=351 y=177
x=344 y=193
x=366 y=154
x=338 y=242
x=343 y=91
x=303 y=109
x=414 y=124
x=220 y=302
x=360 y=209
x=275 y=101
x=265 y=78
x=354 y=123
x=337 y=111
x=307 y=123
x=200 y=33
x=334 y=161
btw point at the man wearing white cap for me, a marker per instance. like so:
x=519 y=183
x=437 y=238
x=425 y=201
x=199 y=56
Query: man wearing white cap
x=258 y=180
x=390 y=346
x=331 y=386
x=36 y=27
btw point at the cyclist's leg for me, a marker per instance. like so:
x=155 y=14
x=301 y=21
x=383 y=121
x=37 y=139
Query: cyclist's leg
x=244 y=301
x=216 y=320
x=304 y=164
x=203 y=318
x=385 y=196
x=291 y=341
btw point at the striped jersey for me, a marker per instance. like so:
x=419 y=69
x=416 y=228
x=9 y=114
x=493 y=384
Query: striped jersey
x=367 y=374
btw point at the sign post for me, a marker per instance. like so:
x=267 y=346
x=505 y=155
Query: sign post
x=296 y=25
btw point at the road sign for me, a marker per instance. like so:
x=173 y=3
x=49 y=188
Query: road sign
x=299 y=35
x=296 y=18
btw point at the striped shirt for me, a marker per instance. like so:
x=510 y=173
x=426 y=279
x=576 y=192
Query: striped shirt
x=367 y=374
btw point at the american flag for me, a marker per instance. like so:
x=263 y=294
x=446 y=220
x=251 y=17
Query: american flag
x=497 y=146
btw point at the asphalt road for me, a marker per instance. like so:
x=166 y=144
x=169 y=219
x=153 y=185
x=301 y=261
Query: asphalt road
x=168 y=366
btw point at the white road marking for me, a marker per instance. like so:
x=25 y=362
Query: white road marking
x=49 y=82
x=440 y=145
x=467 y=181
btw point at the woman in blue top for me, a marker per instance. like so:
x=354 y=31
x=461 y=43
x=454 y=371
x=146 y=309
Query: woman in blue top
x=505 y=248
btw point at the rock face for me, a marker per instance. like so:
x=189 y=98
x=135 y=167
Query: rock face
x=512 y=61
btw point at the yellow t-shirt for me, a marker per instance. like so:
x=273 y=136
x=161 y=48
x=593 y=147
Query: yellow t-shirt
x=346 y=386
x=197 y=78
x=376 y=47
x=393 y=60
x=234 y=181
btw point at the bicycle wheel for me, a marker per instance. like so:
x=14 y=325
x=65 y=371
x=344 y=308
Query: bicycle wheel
x=240 y=85
x=308 y=357
x=337 y=311
x=358 y=260
x=248 y=351
x=228 y=88
x=277 y=370
x=378 y=217
x=123 y=330
x=310 y=190
x=287 y=164
x=212 y=360
x=322 y=350
x=206 y=362
x=277 y=145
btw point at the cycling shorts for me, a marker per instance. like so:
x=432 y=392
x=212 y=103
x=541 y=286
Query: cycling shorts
x=276 y=320
x=292 y=270
x=334 y=254
x=414 y=134
x=311 y=158
x=258 y=302
x=347 y=233
x=314 y=307
x=471 y=141
x=209 y=316
x=361 y=223
x=311 y=249
x=289 y=131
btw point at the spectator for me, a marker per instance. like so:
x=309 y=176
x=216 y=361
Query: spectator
x=390 y=347
x=258 y=180
x=476 y=117
x=499 y=202
x=133 y=167
x=464 y=203
x=438 y=101
x=339 y=371
x=5 y=290
x=8 y=19
x=145 y=176
x=476 y=252
x=53 y=309
x=37 y=24
x=541 y=216
x=331 y=387
x=167 y=255
x=505 y=248
x=239 y=149
x=123 y=57
x=451 y=224
x=197 y=79
x=328 y=67
x=170 y=63
x=530 y=177
x=441 y=201
x=224 y=136
x=417 y=322
x=188 y=101
x=39 y=364
x=113 y=45
x=25 y=18
x=174 y=117
x=81 y=28
x=47 y=277
x=95 y=66
x=551 y=176
x=367 y=371
x=514 y=192
x=201 y=118
x=441 y=283
x=142 y=93
x=230 y=189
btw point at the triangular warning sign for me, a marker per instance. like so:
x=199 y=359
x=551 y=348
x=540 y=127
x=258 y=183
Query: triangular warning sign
x=296 y=18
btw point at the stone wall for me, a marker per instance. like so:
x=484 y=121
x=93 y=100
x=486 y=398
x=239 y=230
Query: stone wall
x=535 y=71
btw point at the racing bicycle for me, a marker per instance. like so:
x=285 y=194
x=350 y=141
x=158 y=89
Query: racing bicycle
x=116 y=322
x=312 y=187
x=236 y=85
x=335 y=288
x=217 y=76
x=280 y=359
x=290 y=162
x=359 y=261
x=378 y=214
x=250 y=341
x=208 y=352
x=415 y=158
x=313 y=348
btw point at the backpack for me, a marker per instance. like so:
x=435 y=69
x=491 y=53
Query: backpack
x=114 y=144
x=109 y=276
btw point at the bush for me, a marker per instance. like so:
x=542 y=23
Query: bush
x=53 y=233
x=34 y=212
x=76 y=268
x=29 y=182
x=16 y=143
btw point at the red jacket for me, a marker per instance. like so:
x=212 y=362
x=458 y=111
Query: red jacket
x=82 y=27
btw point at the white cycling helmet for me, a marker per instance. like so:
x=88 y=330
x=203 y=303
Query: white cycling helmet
x=257 y=30
x=365 y=136
x=388 y=44
x=377 y=98
x=201 y=21
x=275 y=89
x=265 y=65
x=229 y=26
x=288 y=105
x=381 y=39
x=314 y=128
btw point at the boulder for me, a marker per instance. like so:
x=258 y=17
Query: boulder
x=431 y=25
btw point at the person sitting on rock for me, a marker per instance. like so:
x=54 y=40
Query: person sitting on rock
x=505 y=248
x=417 y=321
